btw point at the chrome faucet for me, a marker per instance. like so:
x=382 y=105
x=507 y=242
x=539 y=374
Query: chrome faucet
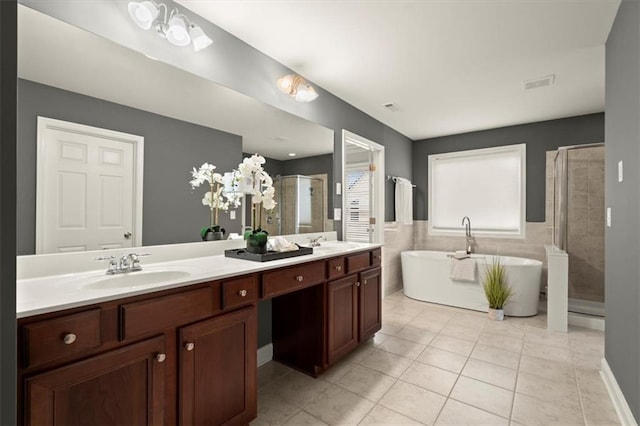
x=126 y=263
x=466 y=222
x=315 y=241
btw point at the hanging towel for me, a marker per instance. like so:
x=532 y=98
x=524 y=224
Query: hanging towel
x=404 y=201
x=463 y=269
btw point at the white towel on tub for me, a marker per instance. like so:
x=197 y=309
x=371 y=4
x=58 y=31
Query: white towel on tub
x=463 y=269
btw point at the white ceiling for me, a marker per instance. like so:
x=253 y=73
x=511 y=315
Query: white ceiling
x=57 y=54
x=450 y=66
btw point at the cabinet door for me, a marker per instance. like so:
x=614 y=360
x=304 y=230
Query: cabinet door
x=218 y=370
x=122 y=387
x=369 y=304
x=342 y=308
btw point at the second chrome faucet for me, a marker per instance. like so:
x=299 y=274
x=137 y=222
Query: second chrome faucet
x=466 y=222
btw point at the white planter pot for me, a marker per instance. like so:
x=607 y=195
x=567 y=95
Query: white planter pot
x=496 y=314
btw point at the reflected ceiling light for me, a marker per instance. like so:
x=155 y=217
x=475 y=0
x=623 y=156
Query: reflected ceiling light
x=296 y=87
x=173 y=26
x=292 y=154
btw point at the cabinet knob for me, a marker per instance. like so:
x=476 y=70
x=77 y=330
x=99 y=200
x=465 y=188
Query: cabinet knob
x=299 y=278
x=242 y=293
x=189 y=346
x=357 y=283
x=338 y=268
x=69 y=338
x=161 y=357
x=364 y=282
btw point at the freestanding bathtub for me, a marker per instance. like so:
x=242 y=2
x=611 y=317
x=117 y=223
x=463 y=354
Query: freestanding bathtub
x=425 y=276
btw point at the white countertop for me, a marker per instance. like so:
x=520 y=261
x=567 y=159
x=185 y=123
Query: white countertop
x=51 y=293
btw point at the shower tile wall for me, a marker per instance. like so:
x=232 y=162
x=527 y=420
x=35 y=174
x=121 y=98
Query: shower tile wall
x=585 y=223
x=585 y=218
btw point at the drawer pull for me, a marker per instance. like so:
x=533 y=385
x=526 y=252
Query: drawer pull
x=338 y=268
x=161 y=357
x=69 y=338
x=189 y=346
x=242 y=293
x=299 y=278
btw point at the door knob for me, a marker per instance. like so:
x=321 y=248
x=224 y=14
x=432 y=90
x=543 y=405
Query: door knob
x=161 y=357
x=127 y=235
x=189 y=346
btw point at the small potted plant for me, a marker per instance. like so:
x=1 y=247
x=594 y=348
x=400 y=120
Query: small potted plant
x=496 y=289
x=252 y=179
x=214 y=199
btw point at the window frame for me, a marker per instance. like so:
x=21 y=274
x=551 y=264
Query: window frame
x=521 y=151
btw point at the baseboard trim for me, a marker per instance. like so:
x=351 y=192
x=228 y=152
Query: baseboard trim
x=586 y=321
x=615 y=393
x=265 y=354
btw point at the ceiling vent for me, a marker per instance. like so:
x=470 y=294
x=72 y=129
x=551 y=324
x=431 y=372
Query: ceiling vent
x=391 y=106
x=539 y=82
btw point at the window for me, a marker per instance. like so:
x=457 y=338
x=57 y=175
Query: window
x=488 y=185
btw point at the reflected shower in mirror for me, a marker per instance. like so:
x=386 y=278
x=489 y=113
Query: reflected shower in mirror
x=66 y=73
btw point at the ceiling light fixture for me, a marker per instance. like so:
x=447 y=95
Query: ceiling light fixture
x=296 y=87
x=174 y=26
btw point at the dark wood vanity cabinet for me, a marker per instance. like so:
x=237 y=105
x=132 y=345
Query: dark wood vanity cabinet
x=124 y=386
x=188 y=355
x=354 y=310
x=217 y=370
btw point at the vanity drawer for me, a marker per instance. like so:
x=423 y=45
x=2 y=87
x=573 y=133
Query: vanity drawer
x=239 y=292
x=61 y=337
x=285 y=280
x=358 y=262
x=157 y=314
x=376 y=257
x=335 y=268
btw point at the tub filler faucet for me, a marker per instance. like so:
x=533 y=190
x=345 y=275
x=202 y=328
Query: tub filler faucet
x=466 y=222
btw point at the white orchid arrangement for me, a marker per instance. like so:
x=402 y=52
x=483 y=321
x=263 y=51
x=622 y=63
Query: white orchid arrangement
x=252 y=179
x=214 y=198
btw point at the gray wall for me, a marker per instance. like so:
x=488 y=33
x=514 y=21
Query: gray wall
x=172 y=212
x=540 y=137
x=8 y=67
x=622 y=251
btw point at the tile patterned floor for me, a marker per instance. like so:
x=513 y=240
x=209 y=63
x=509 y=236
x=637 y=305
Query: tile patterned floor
x=432 y=364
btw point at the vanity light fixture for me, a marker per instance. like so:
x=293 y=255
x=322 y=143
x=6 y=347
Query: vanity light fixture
x=296 y=87
x=174 y=26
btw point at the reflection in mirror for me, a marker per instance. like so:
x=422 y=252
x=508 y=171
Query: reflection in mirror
x=69 y=74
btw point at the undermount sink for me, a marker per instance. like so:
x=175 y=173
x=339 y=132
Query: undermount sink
x=134 y=279
x=338 y=245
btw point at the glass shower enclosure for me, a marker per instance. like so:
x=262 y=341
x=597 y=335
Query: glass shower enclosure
x=300 y=207
x=578 y=223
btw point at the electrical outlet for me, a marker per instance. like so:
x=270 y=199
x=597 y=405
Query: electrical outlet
x=609 y=217
x=338 y=188
x=337 y=213
x=232 y=214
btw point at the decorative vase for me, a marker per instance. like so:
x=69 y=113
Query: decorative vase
x=496 y=314
x=212 y=234
x=257 y=242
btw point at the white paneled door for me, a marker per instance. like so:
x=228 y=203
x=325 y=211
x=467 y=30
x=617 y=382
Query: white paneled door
x=89 y=188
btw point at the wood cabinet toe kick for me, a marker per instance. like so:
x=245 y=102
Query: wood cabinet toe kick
x=188 y=355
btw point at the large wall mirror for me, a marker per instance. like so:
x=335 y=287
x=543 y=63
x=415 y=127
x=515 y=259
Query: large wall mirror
x=66 y=73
